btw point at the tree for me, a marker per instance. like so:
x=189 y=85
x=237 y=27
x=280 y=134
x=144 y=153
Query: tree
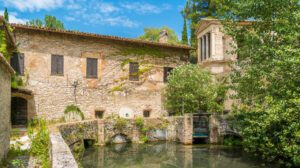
x=152 y=34
x=266 y=78
x=6 y=15
x=184 y=38
x=49 y=22
x=190 y=89
x=195 y=10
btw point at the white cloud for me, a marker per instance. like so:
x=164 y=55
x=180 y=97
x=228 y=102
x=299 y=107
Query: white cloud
x=69 y=18
x=106 y=8
x=34 y=5
x=114 y=21
x=144 y=8
x=13 y=18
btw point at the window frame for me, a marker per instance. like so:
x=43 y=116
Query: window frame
x=133 y=71
x=57 y=67
x=167 y=71
x=93 y=70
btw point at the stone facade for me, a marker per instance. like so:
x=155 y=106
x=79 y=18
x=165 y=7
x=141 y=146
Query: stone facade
x=213 y=52
x=111 y=92
x=5 y=98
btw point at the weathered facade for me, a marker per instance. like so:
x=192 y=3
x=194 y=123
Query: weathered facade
x=214 y=51
x=5 y=98
x=103 y=75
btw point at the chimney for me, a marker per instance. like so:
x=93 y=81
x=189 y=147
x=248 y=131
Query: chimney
x=163 y=37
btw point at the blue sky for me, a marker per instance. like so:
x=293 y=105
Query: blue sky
x=125 y=18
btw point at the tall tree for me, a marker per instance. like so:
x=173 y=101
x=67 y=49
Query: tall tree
x=266 y=79
x=6 y=17
x=49 y=22
x=184 y=36
x=152 y=34
x=195 y=10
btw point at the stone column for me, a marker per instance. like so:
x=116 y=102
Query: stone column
x=101 y=133
x=214 y=129
x=188 y=129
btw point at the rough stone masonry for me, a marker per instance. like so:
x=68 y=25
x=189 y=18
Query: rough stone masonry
x=110 y=92
x=5 y=97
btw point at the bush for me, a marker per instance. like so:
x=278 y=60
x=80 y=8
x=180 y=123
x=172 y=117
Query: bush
x=139 y=122
x=120 y=123
x=190 y=89
x=73 y=112
x=39 y=136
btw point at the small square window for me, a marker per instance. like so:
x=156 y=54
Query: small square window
x=99 y=114
x=146 y=113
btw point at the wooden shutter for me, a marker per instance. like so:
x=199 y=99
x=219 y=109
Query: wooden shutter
x=133 y=71
x=15 y=63
x=167 y=71
x=22 y=63
x=57 y=65
x=92 y=68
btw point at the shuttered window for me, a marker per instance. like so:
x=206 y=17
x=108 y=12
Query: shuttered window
x=92 y=68
x=18 y=63
x=57 y=65
x=167 y=71
x=133 y=71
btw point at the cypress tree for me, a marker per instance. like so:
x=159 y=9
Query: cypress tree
x=184 y=38
x=6 y=15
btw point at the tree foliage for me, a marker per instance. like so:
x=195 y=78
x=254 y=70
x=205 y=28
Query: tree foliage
x=184 y=38
x=152 y=34
x=6 y=15
x=49 y=22
x=266 y=76
x=195 y=10
x=190 y=89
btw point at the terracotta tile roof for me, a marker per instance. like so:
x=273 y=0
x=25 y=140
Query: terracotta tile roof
x=69 y=32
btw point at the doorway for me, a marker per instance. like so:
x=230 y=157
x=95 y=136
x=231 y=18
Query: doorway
x=18 y=111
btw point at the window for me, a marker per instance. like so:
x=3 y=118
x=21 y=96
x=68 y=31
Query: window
x=99 y=114
x=205 y=46
x=57 y=65
x=133 y=71
x=92 y=68
x=17 y=62
x=167 y=71
x=146 y=113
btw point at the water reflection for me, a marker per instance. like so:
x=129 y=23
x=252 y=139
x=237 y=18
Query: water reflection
x=166 y=155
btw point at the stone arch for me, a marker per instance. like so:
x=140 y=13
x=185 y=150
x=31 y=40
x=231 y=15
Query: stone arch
x=28 y=96
x=19 y=111
x=120 y=138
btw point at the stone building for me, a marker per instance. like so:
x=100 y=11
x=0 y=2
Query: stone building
x=103 y=75
x=213 y=52
x=6 y=72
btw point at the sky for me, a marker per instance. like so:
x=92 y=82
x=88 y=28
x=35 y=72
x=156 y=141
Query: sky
x=125 y=18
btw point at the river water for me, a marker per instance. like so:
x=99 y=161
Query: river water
x=167 y=155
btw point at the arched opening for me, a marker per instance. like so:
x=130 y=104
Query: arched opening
x=19 y=112
x=120 y=138
x=200 y=129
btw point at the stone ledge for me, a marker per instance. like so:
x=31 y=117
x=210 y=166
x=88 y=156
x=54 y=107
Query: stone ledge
x=60 y=153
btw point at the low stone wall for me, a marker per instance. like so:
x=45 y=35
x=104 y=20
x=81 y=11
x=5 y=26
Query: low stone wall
x=60 y=153
x=5 y=102
x=67 y=137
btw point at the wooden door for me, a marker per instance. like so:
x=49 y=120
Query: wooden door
x=18 y=111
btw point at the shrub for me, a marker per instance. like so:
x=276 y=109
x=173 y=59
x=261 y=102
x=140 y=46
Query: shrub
x=72 y=112
x=39 y=136
x=139 y=122
x=190 y=89
x=120 y=123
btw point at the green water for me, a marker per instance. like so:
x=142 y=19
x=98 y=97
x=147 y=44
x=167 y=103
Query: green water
x=167 y=155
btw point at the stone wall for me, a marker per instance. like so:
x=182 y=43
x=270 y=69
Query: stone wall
x=60 y=153
x=5 y=100
x=110 y=92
